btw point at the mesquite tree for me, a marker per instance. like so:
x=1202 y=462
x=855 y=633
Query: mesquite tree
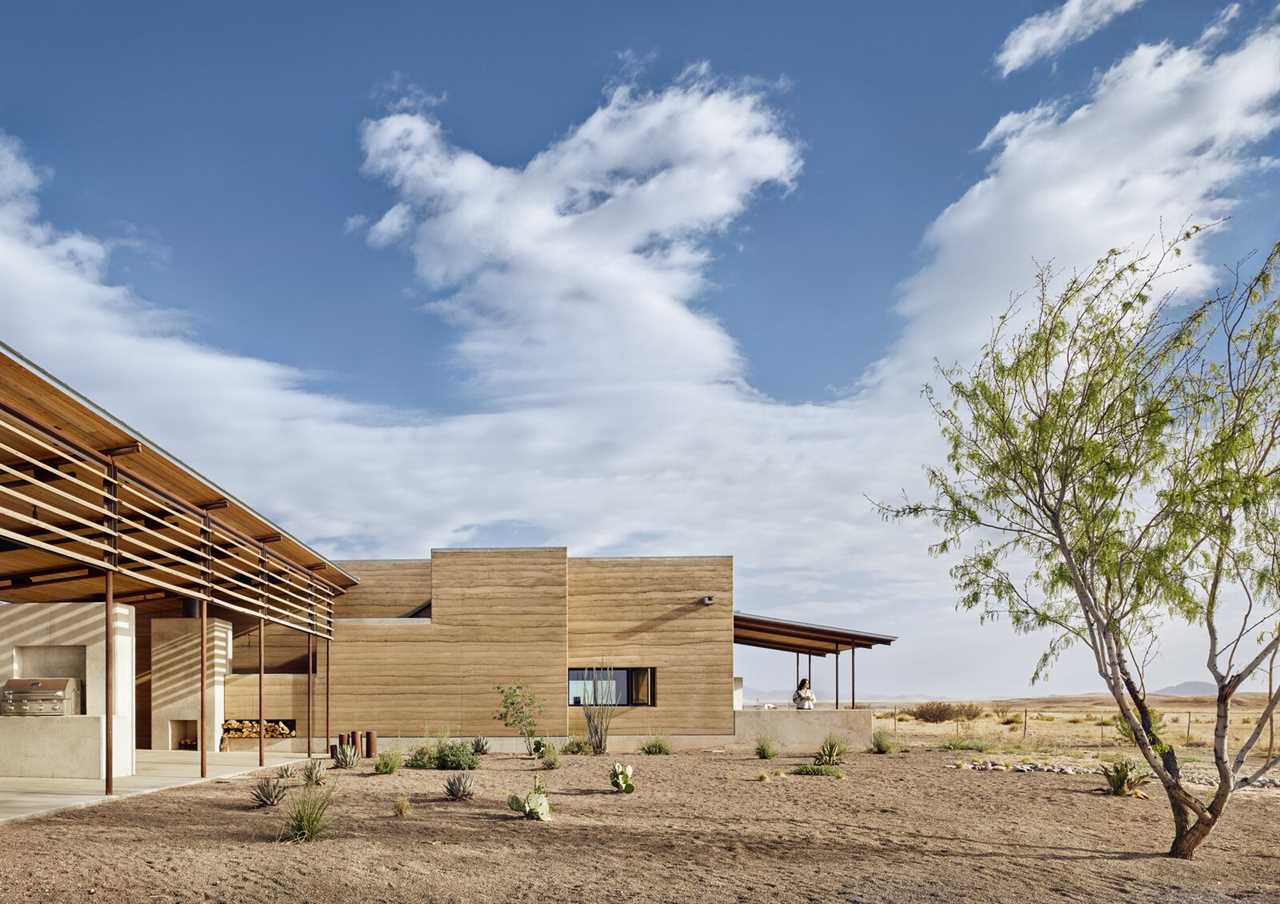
x=1113 y=464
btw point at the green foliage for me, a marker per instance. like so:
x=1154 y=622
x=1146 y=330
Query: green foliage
x=818 y=769
x=308 y=817
x=620 y=777
x=519 y=710
x=388 y=762
x=934 y=712
x=347 y=757
x=267 y=792
x=832 y=751
x=534 y=805
x=656 y=747
x=551 y=757
x=766 y=748
x=975 y=744
x=454 y=755
x=1125 y=778
x=1113 y=461
x=539 y=747
x=314 y=773
x=421 y=758
x=882 y=742
x=459 y=786
x=401 y=807
x=480 y=745
x=576 y=747
x=1122 y=727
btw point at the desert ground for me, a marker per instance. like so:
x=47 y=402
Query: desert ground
x=908 y=826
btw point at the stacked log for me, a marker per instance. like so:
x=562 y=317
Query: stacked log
x=233 y=728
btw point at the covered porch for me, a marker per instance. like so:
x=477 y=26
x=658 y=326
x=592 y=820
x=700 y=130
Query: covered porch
x=100 y=529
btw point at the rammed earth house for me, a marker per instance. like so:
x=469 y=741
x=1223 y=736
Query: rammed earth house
x=190 y=622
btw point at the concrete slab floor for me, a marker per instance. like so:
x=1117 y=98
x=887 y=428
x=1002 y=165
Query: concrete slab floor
x=24 y=798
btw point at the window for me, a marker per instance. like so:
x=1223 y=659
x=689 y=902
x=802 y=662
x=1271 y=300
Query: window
x=621 y=687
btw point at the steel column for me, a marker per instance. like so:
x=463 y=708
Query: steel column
x=310 y=695
x=110 y=663
x=262 y=668
x=203 y=739
x=328 y=674
x=837 y=676
x=853 y=677
x=797 y=669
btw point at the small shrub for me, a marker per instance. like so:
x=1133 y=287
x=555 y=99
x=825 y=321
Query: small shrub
x=1046 y=717
x=656 y=747
x=480 y=745
x=937 y=711
x=766 y=748
x=534 y=805
x=1075 y=720
x=1122 y=725
x=267 y=792
x=519 y=710
x=882 y=742
x=818 y=769
x=455 y=756
x=1125 y=779
x=576 y=747
x=401 y=807
x=832 y=751
x=551 y=757
x=905 y=716
x=285 y=772
x=308 y=815
x=763 y=777
x=347 y=757
x=314 y=774
x=1014 y=719
x=388 y=762
x=620 y=778
x=968 y=711
x=975 y=744
x=1001 y=711
x=459 y=786
x=539 y=747
x=421 y=758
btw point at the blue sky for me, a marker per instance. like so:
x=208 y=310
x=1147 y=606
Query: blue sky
x=210 y=167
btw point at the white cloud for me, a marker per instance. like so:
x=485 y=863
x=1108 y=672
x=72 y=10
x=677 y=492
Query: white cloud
x=1220 y=26
x=611 y=413
x=1049 y=33
x=392 y=227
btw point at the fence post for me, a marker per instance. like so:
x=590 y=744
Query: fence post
x=1188 y=728
x=895 y=720
x=1026 y=717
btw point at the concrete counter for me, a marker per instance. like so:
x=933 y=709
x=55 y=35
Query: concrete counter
x=58 y=747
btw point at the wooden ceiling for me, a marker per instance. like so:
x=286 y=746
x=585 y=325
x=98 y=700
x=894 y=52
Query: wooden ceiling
x=58 y=452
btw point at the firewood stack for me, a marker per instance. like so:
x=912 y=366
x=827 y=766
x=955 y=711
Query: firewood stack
x=233 y=728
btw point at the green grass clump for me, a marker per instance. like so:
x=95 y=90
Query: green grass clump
x=388 y=762
x=974 y=744
x=832 y=751
x=401 y=807
x=576 y=747
x=551 y=757
x=818 y=769
x=656 y=747
x=421 y=758
x=308 y=817
x=766 y=748
x=882 y=742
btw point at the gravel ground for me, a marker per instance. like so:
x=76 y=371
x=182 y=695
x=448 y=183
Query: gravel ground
x=699 y=827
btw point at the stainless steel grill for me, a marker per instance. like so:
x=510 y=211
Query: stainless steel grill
x=40 y=697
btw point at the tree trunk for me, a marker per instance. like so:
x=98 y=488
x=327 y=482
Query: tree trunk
x=1187 y=839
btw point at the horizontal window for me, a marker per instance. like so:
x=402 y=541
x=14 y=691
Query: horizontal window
x=617 y=687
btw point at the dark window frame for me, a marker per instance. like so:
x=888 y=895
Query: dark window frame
x=650 y=671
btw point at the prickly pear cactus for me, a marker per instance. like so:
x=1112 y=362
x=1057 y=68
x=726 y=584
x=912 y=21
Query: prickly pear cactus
x=534 y=805
x=620 y=778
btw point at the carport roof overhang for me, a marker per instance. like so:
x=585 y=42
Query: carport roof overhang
x=82 y=493
x=801 y=637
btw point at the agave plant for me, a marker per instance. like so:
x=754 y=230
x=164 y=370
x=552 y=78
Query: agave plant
x=459 y=786
x=832 y=751
x=1125 y=779
x=620 y=778
x=480 y=745
x=267 y=792
x=534 y=805
x=347 y=757
x=313 y=773
x=285 y=772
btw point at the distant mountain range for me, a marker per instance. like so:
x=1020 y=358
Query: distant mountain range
x=1189 y=689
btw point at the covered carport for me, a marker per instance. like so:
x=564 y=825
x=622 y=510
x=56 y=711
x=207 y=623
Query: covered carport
x=93 y=513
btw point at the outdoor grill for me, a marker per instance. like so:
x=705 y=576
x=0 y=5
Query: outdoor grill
x=40 y=697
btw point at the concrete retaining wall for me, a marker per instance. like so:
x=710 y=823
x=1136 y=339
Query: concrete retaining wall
x=801 y=731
